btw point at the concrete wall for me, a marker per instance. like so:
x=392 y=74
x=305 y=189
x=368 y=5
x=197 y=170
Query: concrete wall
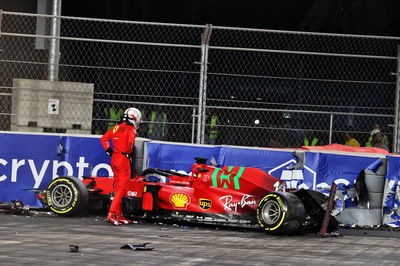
x=47 y=106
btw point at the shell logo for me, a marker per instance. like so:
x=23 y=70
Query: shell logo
x=179 y=200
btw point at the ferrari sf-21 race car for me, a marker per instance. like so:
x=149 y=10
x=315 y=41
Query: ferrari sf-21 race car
x=236 y=196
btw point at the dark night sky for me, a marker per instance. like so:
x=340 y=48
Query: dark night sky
x=372 y=17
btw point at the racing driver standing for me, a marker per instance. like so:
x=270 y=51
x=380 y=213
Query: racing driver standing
x=122 y=137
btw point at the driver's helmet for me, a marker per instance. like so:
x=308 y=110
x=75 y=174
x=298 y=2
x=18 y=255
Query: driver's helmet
x=132 y=116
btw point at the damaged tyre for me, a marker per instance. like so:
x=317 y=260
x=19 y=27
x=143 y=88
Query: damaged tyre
x=281 y=213
x=315 y=204
x=67 y=196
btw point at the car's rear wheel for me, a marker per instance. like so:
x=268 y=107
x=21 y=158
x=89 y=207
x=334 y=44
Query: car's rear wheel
x=280 y=213
x=67 y=196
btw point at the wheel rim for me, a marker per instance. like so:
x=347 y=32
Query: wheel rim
x=61 y=196
x=271 y=212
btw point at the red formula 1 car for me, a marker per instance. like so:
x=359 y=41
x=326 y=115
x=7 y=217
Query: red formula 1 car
x=238 y=196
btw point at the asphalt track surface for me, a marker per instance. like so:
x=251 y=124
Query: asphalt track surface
x=43 y=239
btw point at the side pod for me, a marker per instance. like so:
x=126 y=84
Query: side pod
x=147 y=202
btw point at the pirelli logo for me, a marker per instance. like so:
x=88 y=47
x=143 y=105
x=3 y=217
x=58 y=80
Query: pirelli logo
x=205 y=204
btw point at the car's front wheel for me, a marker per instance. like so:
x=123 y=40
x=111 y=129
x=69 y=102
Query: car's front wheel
x=281 y=213
x=67 y=196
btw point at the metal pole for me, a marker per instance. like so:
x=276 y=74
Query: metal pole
x=203 y=84
x=54 y=50
x=330 y=129
x=1 y=19
x=193 y=123
x=396 y=136
x=199 y=120
x=203 y=110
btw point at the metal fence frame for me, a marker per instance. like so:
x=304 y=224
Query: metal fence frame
x=199 y=111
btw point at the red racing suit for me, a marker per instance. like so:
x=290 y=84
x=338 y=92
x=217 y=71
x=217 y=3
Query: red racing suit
x=123 y=139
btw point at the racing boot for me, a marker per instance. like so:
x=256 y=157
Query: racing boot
x=122 y=219
x=112 y=219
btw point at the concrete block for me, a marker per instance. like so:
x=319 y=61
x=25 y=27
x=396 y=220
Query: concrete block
x=48 y=106
x=360 y=216
x=375 y=200
x=139 y=155
x=374 y=182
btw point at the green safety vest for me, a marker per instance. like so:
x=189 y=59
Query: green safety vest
x=313 y=142
x=369 y=142
x=213 y=127
x=113 y=114
x=153 y=117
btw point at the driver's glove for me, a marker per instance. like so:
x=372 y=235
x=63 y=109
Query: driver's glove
x=109 y=151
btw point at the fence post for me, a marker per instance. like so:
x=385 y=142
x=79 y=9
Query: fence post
x=330 y=129
x=1 y=19
x=396 y=136
x=54 y=50
x=193 y=123
x=201 y=118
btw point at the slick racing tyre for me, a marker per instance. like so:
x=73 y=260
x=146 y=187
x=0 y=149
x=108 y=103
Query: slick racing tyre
x=280 y=213
x=67 y=196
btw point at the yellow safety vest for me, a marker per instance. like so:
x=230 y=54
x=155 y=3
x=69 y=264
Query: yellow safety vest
x=369 y=142
x=313 y=142
x=213 y=127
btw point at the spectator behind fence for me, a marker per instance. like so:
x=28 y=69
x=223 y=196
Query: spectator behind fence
x=378 y=141
x=375 y=129
x=350 y=140
x=157 y=126
x=311 y=139
x=212 y=131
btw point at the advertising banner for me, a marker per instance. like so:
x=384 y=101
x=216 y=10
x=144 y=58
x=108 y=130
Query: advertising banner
x=32 y=161
x=321 y=169
x=177 y=157
x=391 y=199
x=29 y=161
x=180 y=157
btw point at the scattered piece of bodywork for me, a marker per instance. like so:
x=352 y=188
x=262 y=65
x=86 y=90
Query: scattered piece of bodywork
x=138 y=247
x=74 y=248
x=13 y=207
x=229 y=196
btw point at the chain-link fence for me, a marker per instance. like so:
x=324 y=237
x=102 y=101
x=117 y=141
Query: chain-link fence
x=203 y=84
x=278 y=87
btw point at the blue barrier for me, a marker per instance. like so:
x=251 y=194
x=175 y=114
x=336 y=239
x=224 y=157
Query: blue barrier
x=174 y=156
x=180 y=157
x=319 y=171
x=324 y=168
x=391 y=201
x=29 y=161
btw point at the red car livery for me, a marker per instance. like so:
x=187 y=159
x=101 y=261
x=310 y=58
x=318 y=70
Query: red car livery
x=239 y=196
